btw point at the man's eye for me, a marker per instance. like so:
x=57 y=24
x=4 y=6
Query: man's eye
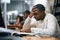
x=33 y=11
x=35 y=14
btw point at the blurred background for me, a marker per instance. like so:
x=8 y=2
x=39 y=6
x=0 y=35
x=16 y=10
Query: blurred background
x=17 y=7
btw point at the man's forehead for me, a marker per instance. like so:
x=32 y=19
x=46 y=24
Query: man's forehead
x=25 y=14
x=34 y=8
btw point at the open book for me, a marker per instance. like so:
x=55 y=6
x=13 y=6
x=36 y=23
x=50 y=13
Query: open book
x=14 y=32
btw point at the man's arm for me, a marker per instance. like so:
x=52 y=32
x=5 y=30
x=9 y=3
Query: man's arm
x=26 y=25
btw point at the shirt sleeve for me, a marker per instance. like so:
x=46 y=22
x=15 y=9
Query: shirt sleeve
x=51 y=27
x=27 y=23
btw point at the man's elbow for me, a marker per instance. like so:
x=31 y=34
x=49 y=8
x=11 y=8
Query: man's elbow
x=51 y=32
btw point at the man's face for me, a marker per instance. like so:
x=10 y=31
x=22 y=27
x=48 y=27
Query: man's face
x=37 y=14
x=17 y=20
x=25 y=15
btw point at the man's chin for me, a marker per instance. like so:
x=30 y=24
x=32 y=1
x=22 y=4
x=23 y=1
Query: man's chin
x=37 y=19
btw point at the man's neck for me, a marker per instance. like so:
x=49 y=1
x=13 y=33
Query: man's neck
x=43 y=16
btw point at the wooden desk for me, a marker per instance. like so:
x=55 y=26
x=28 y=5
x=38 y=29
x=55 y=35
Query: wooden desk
x=36 y=37
x=13 y=27
x=39 y=38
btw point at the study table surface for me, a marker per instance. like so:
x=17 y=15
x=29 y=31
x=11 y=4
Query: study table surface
x=31 y=37
x=39 y=38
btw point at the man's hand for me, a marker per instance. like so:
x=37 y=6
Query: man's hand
x=24 y=30
x=32 y=13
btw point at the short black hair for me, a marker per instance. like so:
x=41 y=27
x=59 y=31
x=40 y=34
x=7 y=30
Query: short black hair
x=26 y=11
x=20 y=17
x=40 y=7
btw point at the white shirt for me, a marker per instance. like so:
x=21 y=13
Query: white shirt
x=47 y=26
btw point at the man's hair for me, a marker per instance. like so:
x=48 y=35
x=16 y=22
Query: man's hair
x=20 y=18
x=40 y=7
x=26 y=11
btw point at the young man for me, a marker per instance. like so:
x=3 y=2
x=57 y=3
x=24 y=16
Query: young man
x=46 y=23
x=26 y=14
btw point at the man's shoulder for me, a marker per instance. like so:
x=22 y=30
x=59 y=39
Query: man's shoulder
x=50 y=16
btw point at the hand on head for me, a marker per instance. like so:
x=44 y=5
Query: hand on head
x=32 y=13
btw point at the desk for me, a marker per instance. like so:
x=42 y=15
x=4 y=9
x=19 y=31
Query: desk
x=39 y=38
x=14 y=27
x=28 y=37
x=36 y=37
x=11 y=26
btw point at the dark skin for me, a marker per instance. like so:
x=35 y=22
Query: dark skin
x=16 y=25
x=18 y=22
x=25 y=15
x=38 y=15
